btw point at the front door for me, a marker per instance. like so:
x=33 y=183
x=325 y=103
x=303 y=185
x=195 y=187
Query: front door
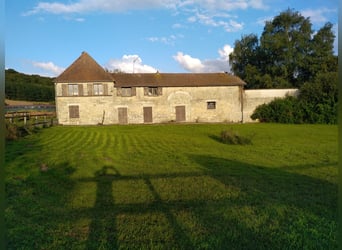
x=148 y=115
x=122 y=115
x=180 y=113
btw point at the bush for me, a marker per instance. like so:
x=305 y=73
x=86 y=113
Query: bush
x=287 y=110
x=233 y=138
x=11 y=132
x=14 y=132
x=316 y=103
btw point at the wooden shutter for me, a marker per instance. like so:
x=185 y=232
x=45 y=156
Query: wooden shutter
x=74 y=111
x=80 y=89
x=134 y=91
x=180 y=113
x=122 y=115
x=64 y=90
x=118 y=91
x=148 y=114
x=105 y=89
x=90 y=89
x=160 y=91
x=145 y=90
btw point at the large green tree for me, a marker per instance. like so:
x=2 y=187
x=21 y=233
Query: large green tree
x=287 y=54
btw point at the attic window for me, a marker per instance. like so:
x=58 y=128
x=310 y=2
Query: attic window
x=126 y=91
x=72 y=89
x=211 y=105
x=153 y=91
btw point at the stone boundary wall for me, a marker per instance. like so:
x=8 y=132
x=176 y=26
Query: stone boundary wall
x=252 y=98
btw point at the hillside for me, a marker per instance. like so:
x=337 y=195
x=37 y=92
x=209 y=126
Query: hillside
x=19 y=86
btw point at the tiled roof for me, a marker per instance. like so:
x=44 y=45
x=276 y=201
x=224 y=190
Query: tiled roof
x=84 y=69
x=175 y=79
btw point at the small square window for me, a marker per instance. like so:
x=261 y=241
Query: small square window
x=153 y=91
x=126 y=91
x=98 y=89
x=211 y=105
x=74 y=111
x=73 y=89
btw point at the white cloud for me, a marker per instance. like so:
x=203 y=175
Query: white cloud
x=49 y=67
x=82 y=6
x=318 y=16
x=128 y=63
x=178 y=26
x=195 y=65
x=189 y=63
x=216 y=20
x=170 y=40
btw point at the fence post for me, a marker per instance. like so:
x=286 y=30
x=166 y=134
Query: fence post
x=25 y=120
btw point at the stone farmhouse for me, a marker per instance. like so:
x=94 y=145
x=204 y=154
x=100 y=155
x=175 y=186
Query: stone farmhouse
x=88 y=95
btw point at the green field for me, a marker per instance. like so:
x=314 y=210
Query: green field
x=173 y=187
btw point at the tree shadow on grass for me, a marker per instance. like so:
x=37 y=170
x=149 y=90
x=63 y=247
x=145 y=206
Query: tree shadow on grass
x=276 y=208
x=102 y=230
x=103 y=233
x=273 y=209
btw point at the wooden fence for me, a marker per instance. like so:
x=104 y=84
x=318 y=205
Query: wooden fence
x=31 y=118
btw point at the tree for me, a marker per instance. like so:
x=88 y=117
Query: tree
x=245 y=54
x=286 y=55
x=316 y=103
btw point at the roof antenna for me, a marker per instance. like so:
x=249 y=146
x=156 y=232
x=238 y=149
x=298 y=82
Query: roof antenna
x=134 y=62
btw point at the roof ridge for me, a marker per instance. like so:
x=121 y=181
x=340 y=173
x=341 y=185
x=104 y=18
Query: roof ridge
x=84 y=69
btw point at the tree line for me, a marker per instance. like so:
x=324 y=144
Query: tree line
x=19 y=86
x=290 y=54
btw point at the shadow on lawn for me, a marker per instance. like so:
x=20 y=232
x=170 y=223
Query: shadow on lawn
x=295 y=211
x=287 y=204
x=250 y=220
x=102 y=230
x=35 y=205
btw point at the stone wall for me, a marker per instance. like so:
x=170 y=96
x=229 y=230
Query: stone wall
x=97 y=109
x=254 y=97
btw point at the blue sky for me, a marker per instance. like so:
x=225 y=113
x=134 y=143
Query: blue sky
x=45 y=37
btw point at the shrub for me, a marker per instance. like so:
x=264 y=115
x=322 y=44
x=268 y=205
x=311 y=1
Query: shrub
x=316 y=103
x=233 y=138
x=287 y=110
x=11 y=132
x=14 y=131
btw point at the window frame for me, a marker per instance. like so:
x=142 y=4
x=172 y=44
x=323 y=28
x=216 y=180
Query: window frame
x=73 y=90
x=211 y=105
x=74 y=111
x=98 y=89
x=126 y=91
x=153 y=91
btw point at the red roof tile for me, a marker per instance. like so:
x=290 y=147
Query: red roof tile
x=176 y=79
x=84 y=69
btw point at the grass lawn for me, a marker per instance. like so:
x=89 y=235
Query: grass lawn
x=173 y=187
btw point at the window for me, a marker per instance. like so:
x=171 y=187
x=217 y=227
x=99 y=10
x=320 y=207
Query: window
x=153 y=91
x=72 y=89
x=98 y=89
x=74 y=111
x=126 y=91
x=211 y=105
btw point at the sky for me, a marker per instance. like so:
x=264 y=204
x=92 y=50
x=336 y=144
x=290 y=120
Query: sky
x=169 y=36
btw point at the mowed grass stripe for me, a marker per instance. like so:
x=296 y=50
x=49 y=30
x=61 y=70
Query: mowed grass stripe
x=174 y=187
